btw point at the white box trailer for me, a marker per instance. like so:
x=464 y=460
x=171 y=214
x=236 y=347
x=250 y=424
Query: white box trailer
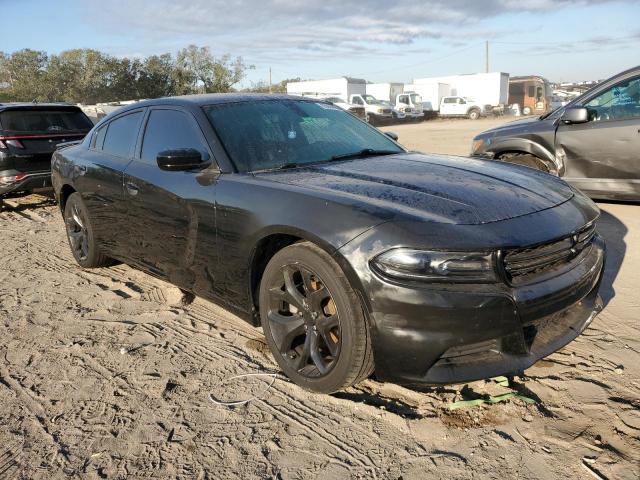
x=485 y=88
x=343 y=87
x=385 y=91
x=431 y=94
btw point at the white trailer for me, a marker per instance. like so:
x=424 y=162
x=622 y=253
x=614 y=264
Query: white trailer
x=484 y=88
x=343 y=87
x=431 y=94
x=385 y=91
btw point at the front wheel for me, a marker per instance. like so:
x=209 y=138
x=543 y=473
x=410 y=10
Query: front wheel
x=313 y=320
x=82 y=240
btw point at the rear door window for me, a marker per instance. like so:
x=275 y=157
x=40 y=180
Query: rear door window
x=44 y=121
x=122 y=134
x=170 y=130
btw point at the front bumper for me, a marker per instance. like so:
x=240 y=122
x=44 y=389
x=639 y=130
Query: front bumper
x=29 y=183
x=452 y=333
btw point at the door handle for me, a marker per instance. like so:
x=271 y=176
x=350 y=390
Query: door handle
x=132 y=188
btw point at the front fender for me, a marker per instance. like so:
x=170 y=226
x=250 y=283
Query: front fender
x=525 y=145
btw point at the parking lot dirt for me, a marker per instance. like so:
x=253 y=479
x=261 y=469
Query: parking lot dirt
x=451 y=136
x=110 y=373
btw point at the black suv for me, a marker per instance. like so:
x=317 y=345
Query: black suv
x=29 y=134
x=593 y=142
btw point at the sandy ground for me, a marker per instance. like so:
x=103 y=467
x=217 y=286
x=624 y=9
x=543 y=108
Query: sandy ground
x=109 y=374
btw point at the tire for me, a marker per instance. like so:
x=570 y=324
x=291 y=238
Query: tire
x=526 y=111
x=82 y=241
x=526 y=160
x=313 y=321
x=473 y=114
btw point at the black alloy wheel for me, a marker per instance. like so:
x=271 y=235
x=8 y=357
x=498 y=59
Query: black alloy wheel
x=77 y=233
x=313 y=320
x=304 y=321
x=84 y=245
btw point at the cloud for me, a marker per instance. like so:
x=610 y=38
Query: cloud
x=279 y=30
x=592 y=43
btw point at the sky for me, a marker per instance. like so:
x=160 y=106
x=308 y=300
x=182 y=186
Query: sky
x=379 y=40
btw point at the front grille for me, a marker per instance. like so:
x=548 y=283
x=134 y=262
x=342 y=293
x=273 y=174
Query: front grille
x=524 y=265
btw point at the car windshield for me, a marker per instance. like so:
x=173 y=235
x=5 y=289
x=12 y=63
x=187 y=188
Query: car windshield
x=271 y=134
x=371 y=100
x=415 y=98
x=40 y=121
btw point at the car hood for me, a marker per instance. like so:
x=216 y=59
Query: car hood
x=516 y=125
x=434 y=188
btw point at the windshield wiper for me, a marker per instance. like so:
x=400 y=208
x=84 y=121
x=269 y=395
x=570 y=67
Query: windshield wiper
x=365 y=152
x=285 y=166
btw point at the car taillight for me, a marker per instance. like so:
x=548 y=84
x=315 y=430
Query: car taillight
x=12 y=178
x=14 y=143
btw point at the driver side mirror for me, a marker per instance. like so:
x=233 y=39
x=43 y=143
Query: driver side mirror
x=180 y=160
x=392 y=136
x=575 y=115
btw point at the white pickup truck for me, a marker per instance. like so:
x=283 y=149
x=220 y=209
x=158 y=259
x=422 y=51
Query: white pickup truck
x=376 y=110
x=460 y=107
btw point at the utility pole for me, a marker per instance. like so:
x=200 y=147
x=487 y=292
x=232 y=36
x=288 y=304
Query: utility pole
x=486 y=52
x=269 y=79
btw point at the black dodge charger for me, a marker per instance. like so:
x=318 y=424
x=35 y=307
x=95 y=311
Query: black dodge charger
x=353 y=254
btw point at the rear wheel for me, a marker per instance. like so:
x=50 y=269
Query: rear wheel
x=82 y=240
x=474 y=114
x=313 y=320
x=526 y=160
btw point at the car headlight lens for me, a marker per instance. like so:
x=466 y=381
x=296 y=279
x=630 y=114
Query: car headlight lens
x=424 y=265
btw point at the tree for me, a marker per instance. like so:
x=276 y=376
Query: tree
x=24 y=72
x=197 y=71
x=80 y=75
x=156 y=77
x=89 y=76
x=263 y=87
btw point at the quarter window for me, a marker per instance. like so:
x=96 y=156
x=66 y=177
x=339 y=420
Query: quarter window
x=620 y=102
x=121 y=135
x=98 y=138
x=169 y=130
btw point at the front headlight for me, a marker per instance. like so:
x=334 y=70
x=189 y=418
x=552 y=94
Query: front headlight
x=424 y=265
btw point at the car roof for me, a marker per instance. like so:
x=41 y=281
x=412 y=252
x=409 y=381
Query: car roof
x=37 y=106
x=214 y=99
